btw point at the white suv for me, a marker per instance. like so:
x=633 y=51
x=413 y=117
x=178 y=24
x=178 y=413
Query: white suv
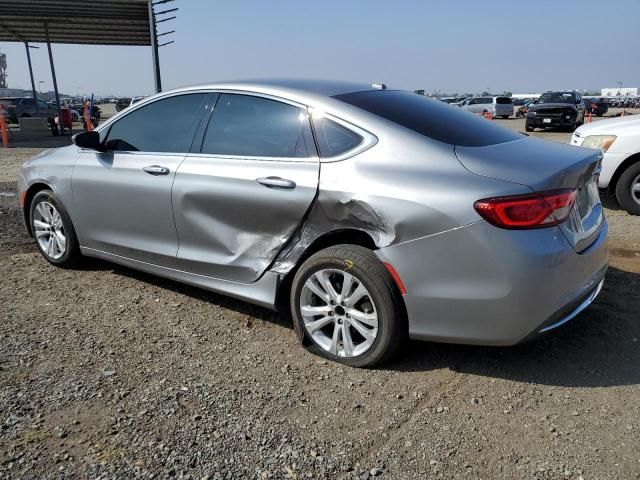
x=619 y=138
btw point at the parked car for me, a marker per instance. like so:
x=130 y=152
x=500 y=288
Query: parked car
x=370 y=214
x=563 y=110
x=497 y=106
x=19 y=107
x=596 y=106
x=619 y=139
x=521 y=112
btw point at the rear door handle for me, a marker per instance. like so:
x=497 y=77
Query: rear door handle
x=156 y=170
x=277 y=182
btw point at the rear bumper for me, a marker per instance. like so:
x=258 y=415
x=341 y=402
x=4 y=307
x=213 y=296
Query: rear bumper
x=483 y=285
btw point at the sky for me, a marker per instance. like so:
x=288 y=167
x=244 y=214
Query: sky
x=447 y=46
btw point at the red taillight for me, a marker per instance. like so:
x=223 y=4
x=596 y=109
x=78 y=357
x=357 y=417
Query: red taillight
x=537 y=210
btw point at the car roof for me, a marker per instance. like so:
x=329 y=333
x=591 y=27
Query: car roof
x=294 y=86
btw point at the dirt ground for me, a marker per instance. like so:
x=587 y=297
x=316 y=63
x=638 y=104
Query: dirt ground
x=110 y=373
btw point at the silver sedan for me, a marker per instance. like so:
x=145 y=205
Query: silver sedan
x=372 y=215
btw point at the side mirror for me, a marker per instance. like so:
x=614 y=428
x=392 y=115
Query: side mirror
x=89 y=140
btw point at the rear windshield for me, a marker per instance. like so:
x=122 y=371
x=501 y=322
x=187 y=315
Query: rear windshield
x=431 y=118
x=503 y=100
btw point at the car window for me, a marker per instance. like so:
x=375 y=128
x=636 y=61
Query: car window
x=42 y=104
x=486 y=100
x=333 y=138
x=430 y=118
x=27 y=102
x=503 y=100
x=248 y=126
x=166 y=125
x=473 y=101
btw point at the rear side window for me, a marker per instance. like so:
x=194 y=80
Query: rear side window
x=431 y=118
x=485 y=100
x=333 y=138
x=166 y=125
x=243 y=125
x=503 y=100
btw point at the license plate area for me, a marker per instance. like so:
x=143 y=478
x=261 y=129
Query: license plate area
x=546 y=120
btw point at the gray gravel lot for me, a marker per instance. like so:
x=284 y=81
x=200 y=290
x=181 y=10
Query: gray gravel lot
x=110 y=373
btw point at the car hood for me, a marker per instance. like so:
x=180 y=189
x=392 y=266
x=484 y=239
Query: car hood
x=543 y=106
x=614 y=126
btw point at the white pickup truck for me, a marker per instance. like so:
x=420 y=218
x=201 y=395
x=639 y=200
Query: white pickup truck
x=619 y=138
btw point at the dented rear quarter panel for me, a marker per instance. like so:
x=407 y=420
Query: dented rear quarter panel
x=403 y=188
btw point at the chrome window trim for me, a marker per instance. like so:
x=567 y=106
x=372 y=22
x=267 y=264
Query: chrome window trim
x=369 y=139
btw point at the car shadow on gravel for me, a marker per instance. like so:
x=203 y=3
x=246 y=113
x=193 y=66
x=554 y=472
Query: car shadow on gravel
x=598 y=348
x=216 y=300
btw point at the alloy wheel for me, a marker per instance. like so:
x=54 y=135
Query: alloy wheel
x=339 y=313
x=635 y=189
x=49 y=230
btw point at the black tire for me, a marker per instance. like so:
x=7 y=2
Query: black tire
x=623 y=189
x=72 y=253
x=528 y=127
x=363 y=264
x=505 y=116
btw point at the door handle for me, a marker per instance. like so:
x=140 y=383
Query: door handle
x=156 y=170
x=277 y=182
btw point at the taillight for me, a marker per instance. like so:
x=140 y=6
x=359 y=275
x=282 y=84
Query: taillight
x=537 y=210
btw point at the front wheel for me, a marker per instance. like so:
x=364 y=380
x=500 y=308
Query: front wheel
x=53 y=231
x=628 y=189
x=528 y=127
x=346 y=305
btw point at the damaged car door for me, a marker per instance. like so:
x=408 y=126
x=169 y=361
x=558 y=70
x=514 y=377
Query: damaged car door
x=245 y=187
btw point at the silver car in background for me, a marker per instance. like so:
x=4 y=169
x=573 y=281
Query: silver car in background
x=497 y=106
x=372 y=215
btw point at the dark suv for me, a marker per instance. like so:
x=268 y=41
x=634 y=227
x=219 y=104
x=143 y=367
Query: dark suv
x=563 y=110
x=18 y=107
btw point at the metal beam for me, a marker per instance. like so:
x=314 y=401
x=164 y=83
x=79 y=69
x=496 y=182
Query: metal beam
x=154 y=48
x=33 y=83
x=53 y=75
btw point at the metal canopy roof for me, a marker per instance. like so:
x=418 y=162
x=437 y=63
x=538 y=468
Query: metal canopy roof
x=98 y=22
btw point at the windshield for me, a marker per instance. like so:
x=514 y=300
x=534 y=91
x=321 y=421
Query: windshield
x=557 y=97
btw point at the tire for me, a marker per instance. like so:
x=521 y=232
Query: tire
x=505 y=116
x=624 y=195
x=528 y=127
x=382 y=301
x=43 y=203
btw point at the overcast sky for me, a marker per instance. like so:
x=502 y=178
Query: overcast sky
x=451 y=46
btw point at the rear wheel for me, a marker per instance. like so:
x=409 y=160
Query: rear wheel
x=628 y=189
x=345 y=303
x=53 y=231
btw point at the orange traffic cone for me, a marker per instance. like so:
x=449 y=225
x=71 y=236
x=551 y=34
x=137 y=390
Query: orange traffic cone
x=3 y=128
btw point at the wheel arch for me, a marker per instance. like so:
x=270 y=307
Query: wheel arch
x=635 y=158
x=28 y=198
x=344 y=236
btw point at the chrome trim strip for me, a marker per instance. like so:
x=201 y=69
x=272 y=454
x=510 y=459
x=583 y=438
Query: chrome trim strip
x=580 y=308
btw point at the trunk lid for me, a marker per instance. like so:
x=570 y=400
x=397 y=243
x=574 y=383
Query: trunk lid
x=543 y=165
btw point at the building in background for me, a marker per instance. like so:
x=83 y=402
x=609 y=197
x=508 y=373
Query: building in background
x=620 y=92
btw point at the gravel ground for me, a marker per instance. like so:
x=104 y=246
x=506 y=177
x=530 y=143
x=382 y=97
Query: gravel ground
x=110 y=373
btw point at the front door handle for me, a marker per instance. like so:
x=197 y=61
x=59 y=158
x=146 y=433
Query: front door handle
x=277 y=182
x=156 y=170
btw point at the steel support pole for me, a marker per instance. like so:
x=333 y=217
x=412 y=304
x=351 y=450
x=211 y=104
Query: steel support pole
x=154 y=48
x=33 y=83
x=53 y=76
